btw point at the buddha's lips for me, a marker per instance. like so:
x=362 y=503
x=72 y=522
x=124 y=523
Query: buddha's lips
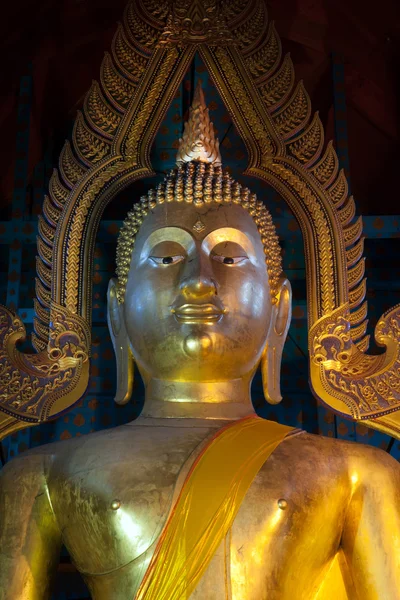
x=195 y=313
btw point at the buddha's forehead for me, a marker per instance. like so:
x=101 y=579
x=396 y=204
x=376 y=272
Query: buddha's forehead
x=199 y=221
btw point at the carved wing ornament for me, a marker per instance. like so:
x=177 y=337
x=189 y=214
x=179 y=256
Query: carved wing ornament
x=37 y=387
x=109 y=149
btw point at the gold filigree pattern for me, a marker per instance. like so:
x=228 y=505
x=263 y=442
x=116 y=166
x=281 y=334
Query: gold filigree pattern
x=99 y=114
x=111 y=172
x=265 y=60
x=140 y=31
x=307 y=147
x=71 y=170
x=39 y=346
x=42 y=313
x=51 y=212
x=46 y=232
x=233 y=9
x=327 y=168
x=355 y=274
x=294 y=115
x=44 y=264
x=42 y=294
x=277 y=89
x=358 y=331
x=325 y=250
x=43 y=272
x=45 y=252
x=58 y=192
x=117 y=88
x=156 y=10
x=96 y=185
x=42 y=332
x=52 y=209
x=339 y=190
x=253 y=29
x=353 y=232
x=357 y=295
x=348 y=212
x=129 y=61
x=91 y=148
x=257 y=126
x=143 y=115
x=363 y=344
x=359 y=315
x=355 y=253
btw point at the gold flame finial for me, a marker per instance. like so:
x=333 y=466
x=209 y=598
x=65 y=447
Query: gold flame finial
x=199 y=142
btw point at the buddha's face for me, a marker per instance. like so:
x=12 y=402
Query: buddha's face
x=197 y=304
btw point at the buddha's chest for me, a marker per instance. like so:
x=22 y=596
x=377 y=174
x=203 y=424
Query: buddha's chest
x=277 y=548
x=112 y=508
x=111 y=516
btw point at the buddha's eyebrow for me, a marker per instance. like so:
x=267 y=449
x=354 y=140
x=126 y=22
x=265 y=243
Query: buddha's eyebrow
x=167 y=234
x=228 y=234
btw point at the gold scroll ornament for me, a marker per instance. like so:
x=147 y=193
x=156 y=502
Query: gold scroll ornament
x=51 y=378
x=151 y=51
x=369 y=386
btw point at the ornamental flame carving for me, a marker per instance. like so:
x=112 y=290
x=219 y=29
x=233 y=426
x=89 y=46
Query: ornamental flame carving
x=150 y=53
x=205 y=146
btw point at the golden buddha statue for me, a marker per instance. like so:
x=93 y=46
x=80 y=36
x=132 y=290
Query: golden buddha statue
x=198 y=498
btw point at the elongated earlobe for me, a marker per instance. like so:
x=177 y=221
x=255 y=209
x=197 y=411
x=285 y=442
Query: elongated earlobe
x=122 y=349
x=272 y=356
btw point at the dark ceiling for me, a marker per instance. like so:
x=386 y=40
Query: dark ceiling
x=64 y=41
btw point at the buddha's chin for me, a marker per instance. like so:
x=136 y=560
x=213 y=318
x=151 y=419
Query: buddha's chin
x=198 y=345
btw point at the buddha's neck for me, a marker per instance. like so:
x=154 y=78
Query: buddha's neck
x=226 y=400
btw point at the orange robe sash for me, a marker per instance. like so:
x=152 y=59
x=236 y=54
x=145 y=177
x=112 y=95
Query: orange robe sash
x=207 y=505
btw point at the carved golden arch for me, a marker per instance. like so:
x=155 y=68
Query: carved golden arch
x=151 y=51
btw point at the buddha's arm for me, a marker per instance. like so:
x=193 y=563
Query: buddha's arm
x=29 y=538
x=371 y=537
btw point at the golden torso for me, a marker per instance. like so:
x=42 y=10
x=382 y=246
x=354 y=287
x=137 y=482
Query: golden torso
x=200 y=303
x=199 y=317
x=110 y=493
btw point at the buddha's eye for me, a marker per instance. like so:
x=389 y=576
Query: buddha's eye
x=229 y=260
x=167 y=260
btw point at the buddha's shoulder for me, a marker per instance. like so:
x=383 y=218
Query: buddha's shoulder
x=108 y=449
x=323 y=454
x=43 y=457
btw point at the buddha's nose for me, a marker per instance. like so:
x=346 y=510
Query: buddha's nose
x=198 y=281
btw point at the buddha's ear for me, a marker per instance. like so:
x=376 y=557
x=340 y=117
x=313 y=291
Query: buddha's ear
x=272 y=356
x=122 y=348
